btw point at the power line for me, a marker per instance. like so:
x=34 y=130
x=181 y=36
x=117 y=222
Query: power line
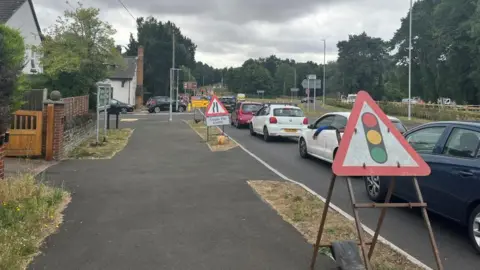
x=125 y=7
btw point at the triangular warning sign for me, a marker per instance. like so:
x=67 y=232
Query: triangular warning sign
x=371 y=145
x=216 y=108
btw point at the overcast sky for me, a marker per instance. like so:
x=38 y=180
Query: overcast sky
x=228 y=32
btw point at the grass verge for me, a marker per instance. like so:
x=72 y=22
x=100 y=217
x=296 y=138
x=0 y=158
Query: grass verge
x=29 y=212
x=116 y=140
x=214 y=132
x=303 y=210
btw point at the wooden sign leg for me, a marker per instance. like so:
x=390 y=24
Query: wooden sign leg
x=322 y=221
x=436 y=253
x=358 y=225
x=388 y=197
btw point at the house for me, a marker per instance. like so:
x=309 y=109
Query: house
x=125 y=78
x=20 y=14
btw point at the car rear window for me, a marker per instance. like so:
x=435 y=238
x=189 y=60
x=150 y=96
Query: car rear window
x=399 y=126
x=289 y=112
x=251 y=107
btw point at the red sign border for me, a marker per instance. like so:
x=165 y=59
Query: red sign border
x=213 y=98
x=363 y=97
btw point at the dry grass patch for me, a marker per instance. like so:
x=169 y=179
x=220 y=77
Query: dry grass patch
x=29 y=212
x=213 y=132
x=303 y=210
x=116 y=140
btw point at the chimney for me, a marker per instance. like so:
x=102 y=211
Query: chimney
x=139 y=92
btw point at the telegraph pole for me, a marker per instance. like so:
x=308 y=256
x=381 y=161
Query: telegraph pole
x=172 y=74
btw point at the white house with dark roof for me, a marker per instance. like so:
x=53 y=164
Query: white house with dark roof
x=124 y=80
x=20 y=14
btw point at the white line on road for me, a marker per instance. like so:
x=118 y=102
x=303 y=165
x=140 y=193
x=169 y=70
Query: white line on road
x=333 y=206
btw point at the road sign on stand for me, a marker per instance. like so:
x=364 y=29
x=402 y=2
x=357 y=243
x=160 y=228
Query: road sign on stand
x=216 y=114
x=372 y=146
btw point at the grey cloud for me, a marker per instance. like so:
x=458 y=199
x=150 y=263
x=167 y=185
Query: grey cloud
x=252 y=28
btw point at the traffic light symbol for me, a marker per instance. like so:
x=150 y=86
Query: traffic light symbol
x=374 y=137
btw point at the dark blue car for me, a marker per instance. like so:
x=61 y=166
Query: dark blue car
x=452 y=190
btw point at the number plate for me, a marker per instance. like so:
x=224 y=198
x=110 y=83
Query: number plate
x=290 y=130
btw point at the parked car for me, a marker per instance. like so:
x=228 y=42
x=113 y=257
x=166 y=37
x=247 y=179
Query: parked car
x=451 y=149
x=229 y=103
x=162 y=103
x=325 y=145
x=243 y=113
x=278 y=120
x=307 y=100
x=117 y=106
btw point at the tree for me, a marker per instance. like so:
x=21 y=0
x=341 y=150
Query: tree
x=156 y=38
x=363 y=61
x=12 y=58
x=132 y=47
x=79 y=51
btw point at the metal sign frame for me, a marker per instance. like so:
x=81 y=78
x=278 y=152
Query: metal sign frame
x=104 y=97
x=368 y=252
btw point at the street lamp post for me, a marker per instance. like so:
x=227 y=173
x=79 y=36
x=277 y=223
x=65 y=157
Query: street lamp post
x=410 y=64
x=324 y=66
x=172 y=86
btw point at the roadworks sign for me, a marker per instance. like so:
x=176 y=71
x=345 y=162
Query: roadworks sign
x=371 y=145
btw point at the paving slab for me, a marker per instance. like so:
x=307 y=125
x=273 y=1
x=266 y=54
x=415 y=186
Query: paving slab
x=167 y=202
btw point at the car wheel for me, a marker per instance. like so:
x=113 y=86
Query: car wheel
x=474 y=228
x=266 y=136
x=302 y=148
x=157 y=109
x=124 y=110
x=375 y=190
x=251 y=130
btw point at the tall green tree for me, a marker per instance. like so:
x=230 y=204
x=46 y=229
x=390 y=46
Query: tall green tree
x=12 y=53
x=363 y=61
x=79 y=51
x=156 y=38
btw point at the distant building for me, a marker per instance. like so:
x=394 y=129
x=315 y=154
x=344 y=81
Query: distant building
x=124 y=80
x=20 y=15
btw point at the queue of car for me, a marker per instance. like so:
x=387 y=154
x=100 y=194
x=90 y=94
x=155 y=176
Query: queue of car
x=451 y=149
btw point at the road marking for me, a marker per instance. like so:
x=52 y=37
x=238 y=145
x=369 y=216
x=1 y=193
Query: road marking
x=333 y=206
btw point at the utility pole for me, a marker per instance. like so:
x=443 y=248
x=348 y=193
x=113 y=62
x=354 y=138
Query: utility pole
x=176 y=100
x=324 y=66
x=295 y=77
x=410 y=64
x=172 y=74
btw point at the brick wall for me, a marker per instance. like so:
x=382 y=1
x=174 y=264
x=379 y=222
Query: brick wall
x=75 y=106
x=77 y=131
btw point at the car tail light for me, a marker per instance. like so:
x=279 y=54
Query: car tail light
x=305 y=121
x=273 y=120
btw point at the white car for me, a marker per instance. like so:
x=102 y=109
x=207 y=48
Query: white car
x=325 y=145
x=278 y=120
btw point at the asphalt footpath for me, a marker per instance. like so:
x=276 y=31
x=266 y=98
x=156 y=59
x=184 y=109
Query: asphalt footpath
x=167 y=202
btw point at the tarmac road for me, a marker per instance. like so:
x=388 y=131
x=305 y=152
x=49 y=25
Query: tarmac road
x=403 y=227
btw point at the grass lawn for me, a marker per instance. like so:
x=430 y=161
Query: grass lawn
x=213 y=133
x=116 y=140
x=29 y=212
x=303 y=210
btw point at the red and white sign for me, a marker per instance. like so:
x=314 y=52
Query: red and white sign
x=216 y=108
x=371 y=145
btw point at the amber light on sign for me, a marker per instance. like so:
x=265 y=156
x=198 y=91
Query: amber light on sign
x=374 y=138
